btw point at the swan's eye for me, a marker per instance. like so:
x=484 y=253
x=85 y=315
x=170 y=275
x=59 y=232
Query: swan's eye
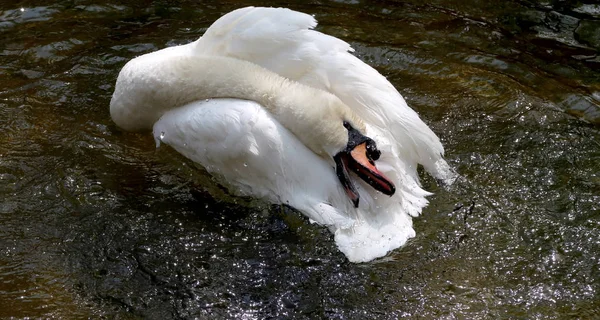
x=347 y=125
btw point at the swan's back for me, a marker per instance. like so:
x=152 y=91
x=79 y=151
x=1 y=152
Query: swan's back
x=283 y=41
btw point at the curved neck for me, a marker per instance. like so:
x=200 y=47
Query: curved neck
x=150 y=85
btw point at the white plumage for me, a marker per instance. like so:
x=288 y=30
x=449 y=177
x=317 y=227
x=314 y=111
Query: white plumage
x=250 y=144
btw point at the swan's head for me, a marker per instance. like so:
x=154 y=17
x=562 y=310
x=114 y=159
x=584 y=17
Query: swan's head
x=359 y=156
x=333 y=129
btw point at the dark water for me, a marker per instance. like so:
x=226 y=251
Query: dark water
x=97 y=222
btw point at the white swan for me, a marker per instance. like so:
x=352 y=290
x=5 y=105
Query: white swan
x=216 y=102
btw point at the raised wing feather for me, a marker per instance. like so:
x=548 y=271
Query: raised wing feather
x=275 y=38
x=283 y=41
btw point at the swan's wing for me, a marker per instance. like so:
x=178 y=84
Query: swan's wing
x=241 y=142
x=283 y=41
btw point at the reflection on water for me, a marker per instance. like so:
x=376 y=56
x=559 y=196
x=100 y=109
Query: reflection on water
x=95 y=221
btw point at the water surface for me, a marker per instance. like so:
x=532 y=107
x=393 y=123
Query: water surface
x=97 y=222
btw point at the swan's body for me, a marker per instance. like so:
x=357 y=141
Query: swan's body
x=278 y=146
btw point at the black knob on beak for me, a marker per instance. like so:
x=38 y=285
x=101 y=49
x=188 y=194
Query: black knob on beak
x=372 y=152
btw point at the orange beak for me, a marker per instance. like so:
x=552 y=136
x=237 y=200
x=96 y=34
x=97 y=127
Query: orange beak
x=366 y=170
x=359 y=161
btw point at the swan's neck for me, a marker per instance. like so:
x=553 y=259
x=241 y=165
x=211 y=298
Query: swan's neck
x=150 y=85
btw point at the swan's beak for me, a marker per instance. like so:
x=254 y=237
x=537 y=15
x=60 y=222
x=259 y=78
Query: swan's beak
x=360 y=160
x=364 y=167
